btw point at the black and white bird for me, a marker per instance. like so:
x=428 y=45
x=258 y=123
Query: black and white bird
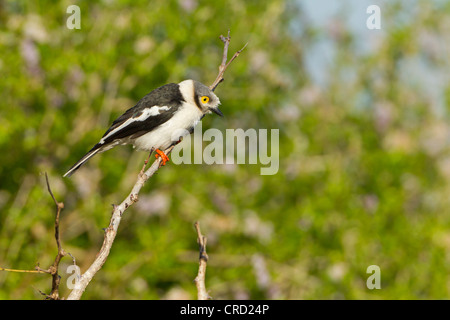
x=154 y=121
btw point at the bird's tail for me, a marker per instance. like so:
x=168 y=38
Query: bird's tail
x=80 y=162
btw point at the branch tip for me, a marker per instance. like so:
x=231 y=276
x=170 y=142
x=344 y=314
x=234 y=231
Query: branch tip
x=224 y=65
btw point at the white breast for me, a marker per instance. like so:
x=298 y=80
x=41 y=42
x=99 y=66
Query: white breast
x=163 y=136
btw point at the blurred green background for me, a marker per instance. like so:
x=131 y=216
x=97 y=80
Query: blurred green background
x=364 y=148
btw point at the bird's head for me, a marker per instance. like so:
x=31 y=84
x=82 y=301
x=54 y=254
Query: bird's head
x=205 y=99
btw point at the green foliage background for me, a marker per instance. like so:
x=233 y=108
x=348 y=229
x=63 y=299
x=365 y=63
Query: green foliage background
x=364 y=158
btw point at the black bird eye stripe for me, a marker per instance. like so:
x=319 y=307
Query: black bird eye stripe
x=197 y=101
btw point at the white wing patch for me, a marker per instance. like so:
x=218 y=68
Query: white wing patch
x=148 y=112
x=153 y=111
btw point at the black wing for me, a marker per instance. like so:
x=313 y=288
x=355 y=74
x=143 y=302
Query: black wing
x=168 y=95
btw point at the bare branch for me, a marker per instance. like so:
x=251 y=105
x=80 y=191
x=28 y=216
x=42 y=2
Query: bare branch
x=202 y=294
x=111 y=231
x=224 y=65
x=53 y=269
x=59 y=207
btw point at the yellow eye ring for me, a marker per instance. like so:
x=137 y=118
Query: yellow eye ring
x=204 y=99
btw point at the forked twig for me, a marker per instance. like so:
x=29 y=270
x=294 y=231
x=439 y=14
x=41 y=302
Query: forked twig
x=53 y=269
x=224 y=65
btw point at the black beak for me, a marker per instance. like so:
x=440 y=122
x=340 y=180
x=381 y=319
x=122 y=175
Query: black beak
x=216 y=111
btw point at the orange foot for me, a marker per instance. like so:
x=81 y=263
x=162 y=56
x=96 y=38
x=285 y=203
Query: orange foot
x=163 y=156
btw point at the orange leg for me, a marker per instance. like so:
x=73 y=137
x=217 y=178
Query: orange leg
x=163 y=156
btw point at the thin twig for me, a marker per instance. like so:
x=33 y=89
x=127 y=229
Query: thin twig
x=53 y=269
x=59 y=207
x=145 y=163
x=111 y=231
x=23 y=271
x=202 y=294
x=224 y=65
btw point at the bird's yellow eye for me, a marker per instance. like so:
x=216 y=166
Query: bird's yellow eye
x=204 y=99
